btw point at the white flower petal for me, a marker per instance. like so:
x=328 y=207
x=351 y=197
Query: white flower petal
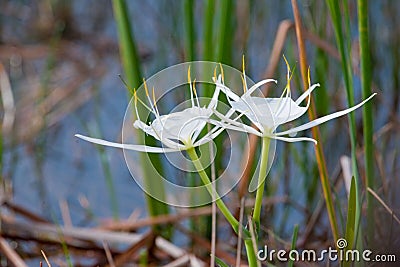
x=228 y=92
x=180 y=125
x=214 y=100
x=324 y=119
x=243 y=128
x=283 y=110
x=293 y=139
x=201 y=120
x=146 y=128
x=238 y=125
x=208 y=137
x=151 y=130
x=254 y=87
x=140 y=148
x=257 y=110
x=306 y=93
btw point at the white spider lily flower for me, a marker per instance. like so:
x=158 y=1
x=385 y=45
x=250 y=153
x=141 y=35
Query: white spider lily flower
x=176 y=131
x=267 y=114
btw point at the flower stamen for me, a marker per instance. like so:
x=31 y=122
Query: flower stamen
x=195 y=92
x=244 y=76
x=155 y=103
x=148 y=96
x=190 y=86
x=135 y=101
x=222 y=73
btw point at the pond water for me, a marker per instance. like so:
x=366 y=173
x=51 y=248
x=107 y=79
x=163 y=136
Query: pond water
x=52 y=166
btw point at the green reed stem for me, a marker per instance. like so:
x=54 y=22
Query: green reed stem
x=351 y=226
x=208 y=51
x=344 y=50
x=206 y=181
x=131 y=64
x=224 y=46
x=251 y=254
x=190 y=33
x=345 y=56
x=261 y=181
x=294 y=240
x=367 y=108
x=128 y=51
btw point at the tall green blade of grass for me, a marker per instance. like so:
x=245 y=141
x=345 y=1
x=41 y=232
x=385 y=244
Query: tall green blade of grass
x=224 y=35
x=223 y=46
x=131 y=65
x=208 y=51
x=321 y=67
x=345 y=56
x=196 y=224
x=190 y=33
x=367 y=109
x=294 y=240
x=217 y=47
x=351 y=223
x=344 y=50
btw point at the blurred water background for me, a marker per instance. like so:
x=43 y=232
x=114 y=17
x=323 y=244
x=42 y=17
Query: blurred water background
x=63 y=63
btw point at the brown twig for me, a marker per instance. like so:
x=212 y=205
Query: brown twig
x=323 y=173
x=228 y=258
x=384 y=205
x=109 y=256
x=45 y=258
x=11 y=255
x=161 y=219
x=24 y=212
x=146 y=240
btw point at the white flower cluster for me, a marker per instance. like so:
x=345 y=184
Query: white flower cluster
x=179 y=131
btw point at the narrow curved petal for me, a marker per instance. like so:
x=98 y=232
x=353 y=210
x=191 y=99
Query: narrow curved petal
x=203 y=120
x=227 y=121
x=228 y=92
x=306 y=93
x=146 y=128
x=208 y=137
x=151 y=130
x=324 y=119
x=254 y=87
x=293 y=139
x=240 y=127
x=214 y=100
x=140 y=148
